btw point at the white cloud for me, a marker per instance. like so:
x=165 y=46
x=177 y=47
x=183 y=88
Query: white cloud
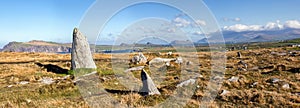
x=237 y=19
x=232 y=19
x=200 y=23
x=180 y=22
x=198 y=33
x=295 y=24
x=241 y=28
x=273 y=26
x=269 y=26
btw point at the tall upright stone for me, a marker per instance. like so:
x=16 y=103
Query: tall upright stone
x=149 y=88
x=81 y=52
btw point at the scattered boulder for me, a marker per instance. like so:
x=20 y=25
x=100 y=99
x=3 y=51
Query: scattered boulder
x=81 y=52
x=243 y=63
x=23 y=82
x=278 y=54
x=149 y=88
x=254 y=84
x=47 y=81
x=158 y=60
x=169 y=53
x=139 y=59
x=179 y=60
x=187 y=82
x=233 y=79
x=224 y=92
x=9 y=86
x=286 y=86
x=139 y=68
x=189 y=63
x=273 y=80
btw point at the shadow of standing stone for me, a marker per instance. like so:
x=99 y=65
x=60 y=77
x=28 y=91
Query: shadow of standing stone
x=81 y=53
x=149 y=88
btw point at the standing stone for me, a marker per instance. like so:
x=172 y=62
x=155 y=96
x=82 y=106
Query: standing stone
x=149 y=87
x=239 y=54
x=81 y=53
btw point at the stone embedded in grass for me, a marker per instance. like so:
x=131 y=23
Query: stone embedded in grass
x=23 y=82
x=179 y=60
x=47 y=81
x=243 y=63
x=233 y=79
x=149 y=88
x=286 y=86
x=187 y=82
x=224 y=92
x=254 y=84
x=135 y=69
x=139 y=59
x=273 y=80
x=81 y=52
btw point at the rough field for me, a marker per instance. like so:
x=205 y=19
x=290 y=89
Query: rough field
x=270 y=78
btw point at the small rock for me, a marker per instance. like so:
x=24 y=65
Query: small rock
x=189 y=63
x=186 y=83
x=224 y=92
x=47 y=81
x=286 y=86
x=139 y=68
x=273 y=80
x=179 y=60
x=243 y=63
x=28 y=100
x=23 y=82
x=169 y=53
x=139 y=59
x=9 y=86
x=233 y=79
x=254 y=84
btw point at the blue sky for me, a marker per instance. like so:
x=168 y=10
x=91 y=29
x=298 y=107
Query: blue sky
x=53 y=20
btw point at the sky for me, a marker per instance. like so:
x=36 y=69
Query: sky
x=54 y=20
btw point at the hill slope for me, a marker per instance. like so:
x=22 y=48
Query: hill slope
x=36 y=46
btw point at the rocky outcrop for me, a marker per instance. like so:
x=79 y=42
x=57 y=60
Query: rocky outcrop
x=81 y=53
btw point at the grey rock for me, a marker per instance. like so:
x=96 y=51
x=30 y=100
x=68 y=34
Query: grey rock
x=23 y=82
x=179 y=60
x=139 y=59
x=187 y=82
x=233 y=79
x=224 y=92
x=135 y=69
x=47 y=81
x=81 y=53
x=286 y=86
x=273 y=80
x=254 y=84
x=149 y=88
x=243 y=63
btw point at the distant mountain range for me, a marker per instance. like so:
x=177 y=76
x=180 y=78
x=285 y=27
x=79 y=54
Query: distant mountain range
x=229 y=37
x=255 y=36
